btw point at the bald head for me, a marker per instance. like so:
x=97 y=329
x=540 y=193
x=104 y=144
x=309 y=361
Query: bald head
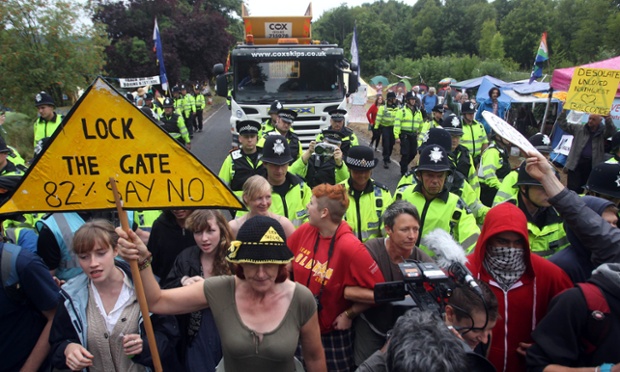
x=594 y=121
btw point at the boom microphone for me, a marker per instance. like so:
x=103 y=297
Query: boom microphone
x=450 y=256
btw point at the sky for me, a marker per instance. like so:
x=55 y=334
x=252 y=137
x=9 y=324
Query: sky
x=298 y=8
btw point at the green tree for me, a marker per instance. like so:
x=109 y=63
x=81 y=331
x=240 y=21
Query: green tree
x=334 y=25
x=486 y=37
x=523 y=27
x=425 y=43
x=428 y=17
x=44 y=45
x=497 y=47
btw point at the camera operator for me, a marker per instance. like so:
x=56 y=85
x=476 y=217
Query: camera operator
x=470 y=318
x=402 y=224
x=322 y=162
x=337 y=124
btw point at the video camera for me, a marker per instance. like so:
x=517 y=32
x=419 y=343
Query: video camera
x=325 y=149
x=428 y=286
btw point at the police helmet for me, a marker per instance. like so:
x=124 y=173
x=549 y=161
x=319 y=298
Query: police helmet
x=175 y=89
x=453 y=125
x=468 y=107
x=525 y=179
x=391 y=95
x=541 y=142
x=275 y=107
x=409 y=95
x=276 y=150
x=605 y=180
x=433 y=158
x=168 y=102
x=436 y=136
x=42 y=98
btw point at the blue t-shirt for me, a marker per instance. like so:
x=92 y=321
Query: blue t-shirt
x=429 y=103
x=22 y=323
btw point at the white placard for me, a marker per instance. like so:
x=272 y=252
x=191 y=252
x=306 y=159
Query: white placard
x=276 y=30
x=508 y=132
x=139 y=82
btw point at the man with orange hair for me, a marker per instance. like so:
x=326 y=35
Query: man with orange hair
x=328 y=259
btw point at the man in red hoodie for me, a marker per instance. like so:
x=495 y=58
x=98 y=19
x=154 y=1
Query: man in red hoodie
x=524 y=283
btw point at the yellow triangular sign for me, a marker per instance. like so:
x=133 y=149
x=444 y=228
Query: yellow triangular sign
x=104 y=136
x=271 y=236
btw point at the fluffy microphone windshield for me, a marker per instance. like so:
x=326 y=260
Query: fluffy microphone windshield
x=447 y=250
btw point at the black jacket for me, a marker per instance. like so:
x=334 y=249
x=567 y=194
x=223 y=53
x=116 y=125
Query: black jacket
x=167 y=240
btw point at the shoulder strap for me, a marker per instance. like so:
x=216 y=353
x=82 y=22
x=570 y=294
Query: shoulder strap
x=599 y=322
x=10 y=277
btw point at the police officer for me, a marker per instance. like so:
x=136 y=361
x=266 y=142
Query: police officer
x=545 y=226
x=148 y=109
x=284 y=124
x=290 y=194
x=385 y=120
x=368 y=199
x=178 y=100
x=188 y=110
x=322 y=163
x=200 y=105
x=604 y=182
x=407 y=125
x=336 y=123
x=434 y=122
x=174 y=124
x=438 y=207
x=48 y=120
x=459 y=155
x=494 y=166
x=474 y=135
x=244 y=162
x=7 y=167
x=507 y=189
x=269 y=125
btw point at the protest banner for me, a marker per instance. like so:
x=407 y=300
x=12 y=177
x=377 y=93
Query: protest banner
x=104 y=136
x=138 y=82
x=592 y=90
x=508 y=132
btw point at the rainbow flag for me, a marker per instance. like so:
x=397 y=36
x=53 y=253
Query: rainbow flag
x=541 y=56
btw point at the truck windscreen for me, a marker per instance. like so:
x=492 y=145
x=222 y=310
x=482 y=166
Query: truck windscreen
x=294 y=80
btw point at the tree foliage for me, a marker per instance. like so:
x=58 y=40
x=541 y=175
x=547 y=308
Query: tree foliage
x=45 y=46
x=196 y=34
x=500 y=34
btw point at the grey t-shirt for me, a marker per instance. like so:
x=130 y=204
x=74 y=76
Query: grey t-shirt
x=246 y=350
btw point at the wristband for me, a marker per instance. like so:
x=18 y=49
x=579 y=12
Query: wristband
x=349 y=314
x=606 y=367
x=146 y=262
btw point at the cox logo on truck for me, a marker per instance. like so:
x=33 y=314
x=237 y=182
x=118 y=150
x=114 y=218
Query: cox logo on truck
x=276 y=30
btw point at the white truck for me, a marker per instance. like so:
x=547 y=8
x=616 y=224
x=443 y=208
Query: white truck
x=278 y=60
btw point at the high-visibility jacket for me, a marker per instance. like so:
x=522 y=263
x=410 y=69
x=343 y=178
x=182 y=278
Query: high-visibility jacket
x=348 y=139
x=386 y=116
x=458 y=185
x=494 y=166
x=446 y=211
x=507 y=189
x=238 y=167
x=293 y=204
x=266 y=127
x=179 y=105
x=175 y=126
x=189 y=105
x=44 y=128
x=145 y=219
x=366 y=209
x=426 y=126
x=408 y=121
x=320 y=170
x=474 y=137
x=200 y=102
x=546 y=234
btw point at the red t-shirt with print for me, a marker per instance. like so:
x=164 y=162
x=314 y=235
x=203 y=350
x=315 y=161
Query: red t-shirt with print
x=350 y=265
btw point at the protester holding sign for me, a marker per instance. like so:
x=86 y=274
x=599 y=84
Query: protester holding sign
x=97 y=326
x=261 y=315
x=588 y=148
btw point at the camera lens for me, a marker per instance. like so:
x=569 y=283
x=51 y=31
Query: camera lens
x=319 y=150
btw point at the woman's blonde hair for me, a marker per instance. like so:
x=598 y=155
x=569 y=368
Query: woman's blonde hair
x=254 y=186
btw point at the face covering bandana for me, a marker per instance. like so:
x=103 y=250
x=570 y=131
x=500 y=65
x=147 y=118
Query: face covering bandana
x=505 y=264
